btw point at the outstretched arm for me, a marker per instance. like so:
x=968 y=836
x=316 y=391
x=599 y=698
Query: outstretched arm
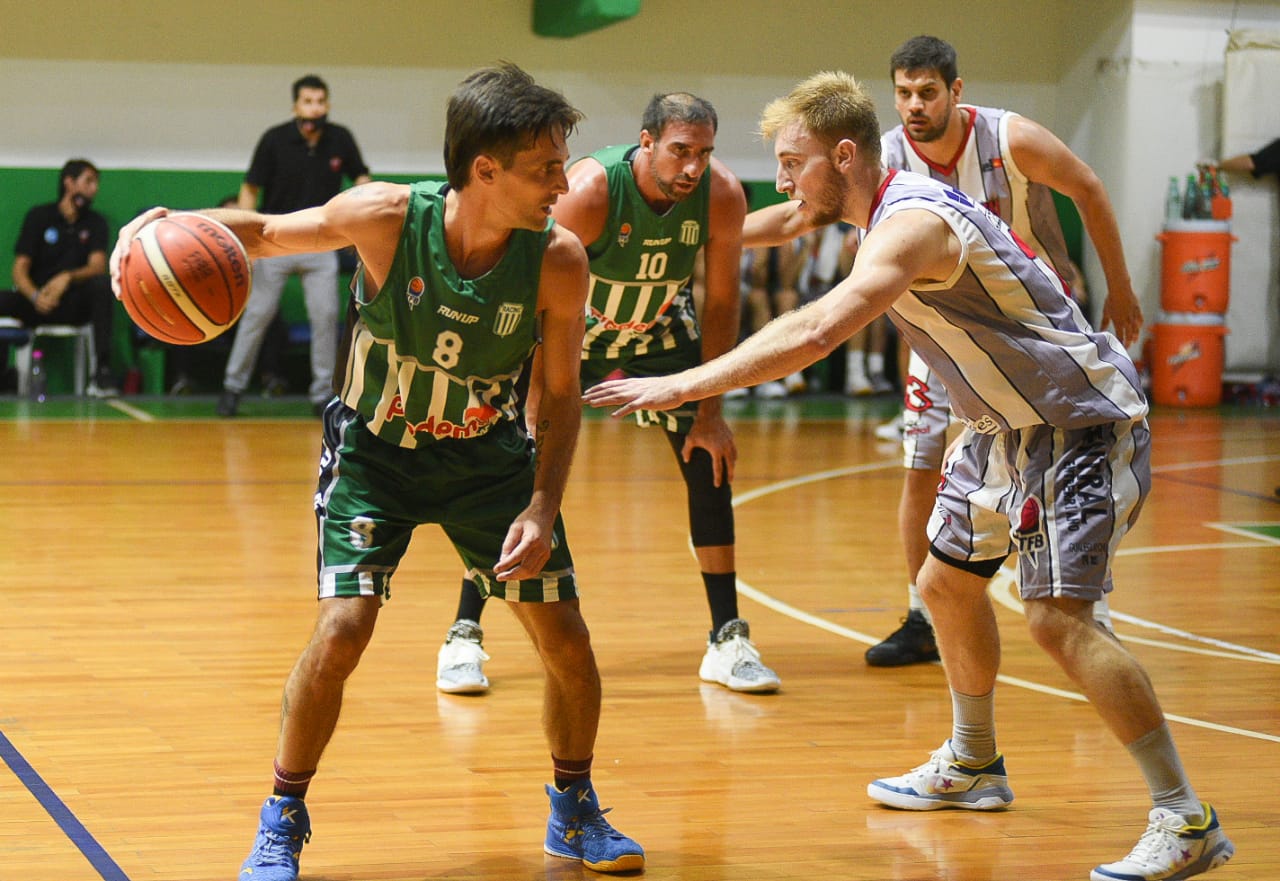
x=774 y=225
x=910 y=245
x=368 y=217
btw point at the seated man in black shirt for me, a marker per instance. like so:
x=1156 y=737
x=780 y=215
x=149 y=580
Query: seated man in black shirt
x=60 y=269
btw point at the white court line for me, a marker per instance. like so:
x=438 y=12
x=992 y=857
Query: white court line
x=1213 y=463
x=1237 y=530
x=130 y=410
x=1237 y=652
x=1004 y=590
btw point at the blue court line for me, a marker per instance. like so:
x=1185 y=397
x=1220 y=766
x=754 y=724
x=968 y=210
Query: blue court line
x=61 y=814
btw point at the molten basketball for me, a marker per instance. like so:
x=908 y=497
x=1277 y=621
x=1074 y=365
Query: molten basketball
x=185 y=278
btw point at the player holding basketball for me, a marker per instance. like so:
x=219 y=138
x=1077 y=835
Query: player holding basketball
x=457 y=282
x=644 y=211
x=1047 y=403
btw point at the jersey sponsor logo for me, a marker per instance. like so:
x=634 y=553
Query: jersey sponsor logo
x=51 y=236
x=690 y=232
x=414 y=290
x=476 y=421
x=657 y=243
x=607 y=323
x=624 y=235
x=1030 y=534
x=455 y=315
x=1085 y=498
x=508 y=318
x=335 y=164
x=985 y=425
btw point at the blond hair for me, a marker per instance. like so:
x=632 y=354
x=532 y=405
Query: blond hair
x=832 y=106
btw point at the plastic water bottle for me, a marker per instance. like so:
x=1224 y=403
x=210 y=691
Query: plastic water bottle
x=1173 y=202
x=1221 y=205
x=39 y=379
x=1191 y=199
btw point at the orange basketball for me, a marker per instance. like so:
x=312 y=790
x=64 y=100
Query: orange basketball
x=185 y=278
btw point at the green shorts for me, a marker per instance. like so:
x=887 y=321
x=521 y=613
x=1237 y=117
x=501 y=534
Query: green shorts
x=682 y=355
x=372 y=494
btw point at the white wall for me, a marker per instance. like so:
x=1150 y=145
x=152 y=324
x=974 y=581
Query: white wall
x=1144 y=103
x=1133 y=86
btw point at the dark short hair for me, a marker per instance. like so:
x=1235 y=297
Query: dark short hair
x=677 y=107
x=310 y=81
x=925 y=53
x=73 y=169
x=498 y=111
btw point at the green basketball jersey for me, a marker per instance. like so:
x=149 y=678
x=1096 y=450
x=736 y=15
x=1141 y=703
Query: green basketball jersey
x=433 y=355
x=641 y=267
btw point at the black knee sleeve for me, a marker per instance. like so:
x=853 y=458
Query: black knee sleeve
x=710 y=506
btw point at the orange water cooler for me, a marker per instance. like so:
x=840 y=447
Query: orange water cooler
x=1188 y=341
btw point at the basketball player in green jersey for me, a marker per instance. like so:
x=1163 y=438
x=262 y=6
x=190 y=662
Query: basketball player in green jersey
x=456 y=282
x=644 y=211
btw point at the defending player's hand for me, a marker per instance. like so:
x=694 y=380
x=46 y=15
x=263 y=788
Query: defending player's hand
x=649 y=393
x=127 y=232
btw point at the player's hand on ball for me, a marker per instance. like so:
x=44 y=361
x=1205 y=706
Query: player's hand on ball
x=126 y=236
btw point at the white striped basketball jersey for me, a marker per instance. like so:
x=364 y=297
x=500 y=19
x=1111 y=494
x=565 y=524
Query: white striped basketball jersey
x=984 y=168
x=1011 y=347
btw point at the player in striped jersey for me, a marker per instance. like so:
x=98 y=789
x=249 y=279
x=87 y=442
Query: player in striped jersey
x=452 y=282
x=1010 y=165
x=644 y=211
x=1054 y=461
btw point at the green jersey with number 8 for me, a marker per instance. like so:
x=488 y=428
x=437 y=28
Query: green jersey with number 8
x=433 y=355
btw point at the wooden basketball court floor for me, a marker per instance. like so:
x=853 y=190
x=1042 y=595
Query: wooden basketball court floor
x=158 y=583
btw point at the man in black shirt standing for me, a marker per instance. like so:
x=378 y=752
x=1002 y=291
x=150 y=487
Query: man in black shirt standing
x=299 y=164
x=60 y=268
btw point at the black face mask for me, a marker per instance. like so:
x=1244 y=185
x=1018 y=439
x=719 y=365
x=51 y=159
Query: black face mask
x=82 y=202
x=311 y=126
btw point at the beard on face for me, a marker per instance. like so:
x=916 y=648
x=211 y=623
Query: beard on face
x=826 y=206
x=931 y=132
x=667 y=188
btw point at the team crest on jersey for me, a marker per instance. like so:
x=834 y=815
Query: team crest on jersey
x=1030 y=534
x=624 y=235
x=508 y=318
x=414 y=291
x=690 y=232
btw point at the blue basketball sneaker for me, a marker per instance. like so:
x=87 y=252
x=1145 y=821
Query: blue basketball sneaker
x=283 y=828
x=946 y=782
x=577 y=830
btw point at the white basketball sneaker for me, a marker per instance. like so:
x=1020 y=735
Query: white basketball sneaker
x=946 y=782
x=734 y=662
x=460 y=663
x=1171 y=848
